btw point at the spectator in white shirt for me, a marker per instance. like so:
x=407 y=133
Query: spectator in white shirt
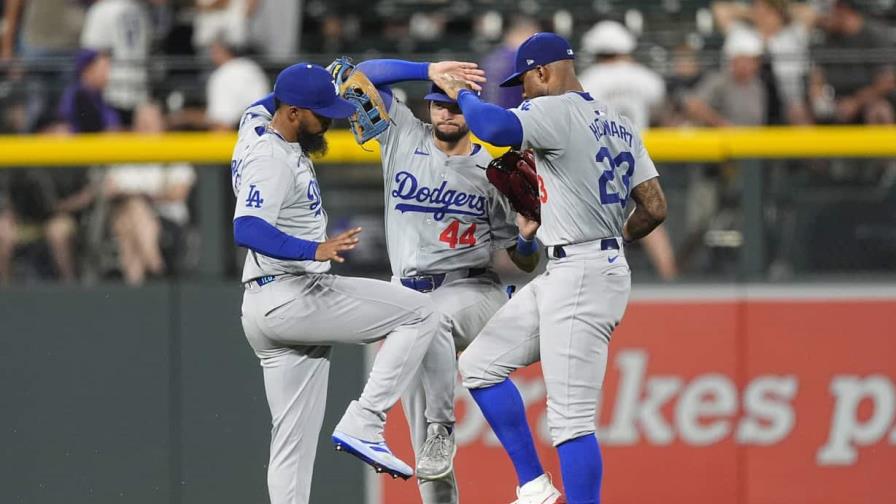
x=234 y=85
x=616 y=78
x=123 y=29
x=144 y=196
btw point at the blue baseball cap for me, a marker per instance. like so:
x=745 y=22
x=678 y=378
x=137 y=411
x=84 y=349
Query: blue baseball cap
x=437 y=95
x=311 y=87
x=538 y=50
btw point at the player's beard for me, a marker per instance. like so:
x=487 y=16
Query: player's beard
x=313 y=143
x=451 y=137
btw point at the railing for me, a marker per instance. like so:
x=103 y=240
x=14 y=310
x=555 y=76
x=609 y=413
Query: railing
x=779 y=206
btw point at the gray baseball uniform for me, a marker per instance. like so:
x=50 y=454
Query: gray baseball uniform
x=293 y=311
x=588 y=159
x=442 y=216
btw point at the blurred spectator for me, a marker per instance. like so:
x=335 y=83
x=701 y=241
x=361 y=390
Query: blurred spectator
x=635 y=91
x=148 y=200
x=236 y=83
x=735 y=95
x=784 y=29
x=858 y=87
x=226 y=20
x=499 y=63
x=616 y=78
x=274 y=27
x=82 y=106
x=8 y=237
x=45 y=204
x=40 y=28
x=686 y=73
x=122 y=29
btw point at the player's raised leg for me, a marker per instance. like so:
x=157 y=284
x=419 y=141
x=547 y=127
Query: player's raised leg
x=509 y=342
x=576 y=330
x=331 y=309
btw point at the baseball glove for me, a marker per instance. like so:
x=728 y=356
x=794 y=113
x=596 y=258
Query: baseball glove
x=371 y=117
x=513 y=173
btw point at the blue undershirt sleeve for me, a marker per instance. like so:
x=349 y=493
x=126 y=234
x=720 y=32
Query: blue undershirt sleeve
x=489 y=122
x=267 y=102
x=256 y=234
x=383 y=72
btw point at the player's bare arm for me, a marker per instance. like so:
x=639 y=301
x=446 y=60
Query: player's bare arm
x=649 y=213
x=525 y=262
x=330 y=249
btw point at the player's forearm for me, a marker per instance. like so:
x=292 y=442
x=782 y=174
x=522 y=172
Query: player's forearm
x=649 y=213
x=255 y=234
x=525 y=254
x=489 y=122
x=384 y=72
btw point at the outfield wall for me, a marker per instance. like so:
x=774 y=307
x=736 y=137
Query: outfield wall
x=723 y=395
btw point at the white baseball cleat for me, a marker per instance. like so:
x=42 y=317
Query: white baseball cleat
x=538 y=491
x=377 y=454
x=437 y=456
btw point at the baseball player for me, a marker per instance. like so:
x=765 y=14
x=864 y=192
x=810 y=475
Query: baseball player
x=293 y=310
x=444 y=221
x=590 y=160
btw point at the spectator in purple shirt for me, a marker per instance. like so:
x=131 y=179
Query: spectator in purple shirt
x=499 y=63
x=82 y=106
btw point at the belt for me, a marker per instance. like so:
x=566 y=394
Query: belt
x=260 y=281
x=558 y=252
x=429 y=283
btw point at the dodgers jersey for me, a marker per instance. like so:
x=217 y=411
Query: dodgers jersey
x=588 y=159
x=442 y=213
x=274 y=181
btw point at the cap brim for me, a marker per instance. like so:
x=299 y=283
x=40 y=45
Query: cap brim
x=439 y=97
x=514 y=80
x=340 y=109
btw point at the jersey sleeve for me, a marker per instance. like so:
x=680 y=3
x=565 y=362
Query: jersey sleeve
x=265 y=183
x=545 y=122
x=502 y=221
x=644 y=167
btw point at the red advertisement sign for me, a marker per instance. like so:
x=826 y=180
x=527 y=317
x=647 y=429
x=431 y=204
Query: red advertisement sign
x=777 y=401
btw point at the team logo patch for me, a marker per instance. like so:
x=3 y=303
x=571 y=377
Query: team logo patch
x=314 y=198
x=438 y=201
x=254 y=199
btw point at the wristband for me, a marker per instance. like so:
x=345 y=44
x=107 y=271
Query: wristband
x=525 y=247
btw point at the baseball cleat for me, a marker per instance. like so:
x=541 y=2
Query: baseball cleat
x=376 y=454
x=538 y=491
x=436 y=459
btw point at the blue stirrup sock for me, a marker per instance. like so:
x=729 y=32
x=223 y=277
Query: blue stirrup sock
x=503 y=408
x=582 y=469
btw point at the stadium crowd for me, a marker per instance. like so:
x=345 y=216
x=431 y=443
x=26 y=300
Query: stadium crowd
x=78 y=66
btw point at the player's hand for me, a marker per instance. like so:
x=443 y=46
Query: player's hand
x=452 y=84
x=330 y=249
x=469 y=72
x=527 y=227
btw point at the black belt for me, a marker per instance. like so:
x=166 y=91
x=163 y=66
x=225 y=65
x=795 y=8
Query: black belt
x=557 y=251
x=429 y=283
